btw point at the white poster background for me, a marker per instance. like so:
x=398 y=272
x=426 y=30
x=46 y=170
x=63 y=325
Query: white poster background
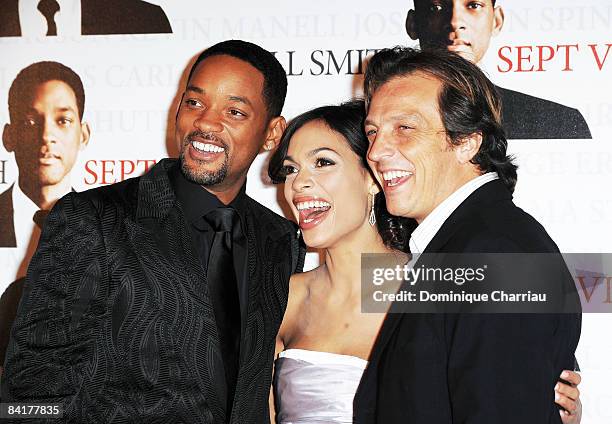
x=132 y=84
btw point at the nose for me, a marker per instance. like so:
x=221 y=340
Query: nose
x=303 y=180
x=380 y=148
x=208 y=120
x=457 y=19
x=47 y=131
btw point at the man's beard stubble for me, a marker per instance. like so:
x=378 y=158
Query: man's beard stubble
x=204 y=177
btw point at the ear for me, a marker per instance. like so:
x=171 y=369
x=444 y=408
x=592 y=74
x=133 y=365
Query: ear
x=8 y=138
x=85 y=134
x=411 y=25
x=498 y=20
x=276 y=128
x=468 y=148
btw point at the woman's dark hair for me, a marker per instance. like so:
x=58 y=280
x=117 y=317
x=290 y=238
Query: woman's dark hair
x=347 y=120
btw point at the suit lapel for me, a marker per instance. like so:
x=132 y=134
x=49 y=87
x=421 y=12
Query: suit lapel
x=160 y=237
x=7 y=235
x=490 y=192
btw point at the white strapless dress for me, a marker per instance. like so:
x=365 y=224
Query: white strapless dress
x=316 y=387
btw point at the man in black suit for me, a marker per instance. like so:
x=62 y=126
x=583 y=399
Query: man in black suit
x=158 y=299
x=98 y=17
x=438 y=149
x=466 y=27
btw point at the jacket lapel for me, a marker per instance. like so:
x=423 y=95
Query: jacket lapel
x=490 y=192
x=160 y=237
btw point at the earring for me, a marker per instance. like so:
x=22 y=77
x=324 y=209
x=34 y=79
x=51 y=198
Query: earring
x=372 y=218
x=298 y=233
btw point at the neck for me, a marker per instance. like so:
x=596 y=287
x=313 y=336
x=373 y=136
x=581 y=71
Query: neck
x=343 y=261
x=44 y=196
x=227 y=192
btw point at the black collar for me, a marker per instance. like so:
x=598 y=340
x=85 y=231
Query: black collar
x=196 y=201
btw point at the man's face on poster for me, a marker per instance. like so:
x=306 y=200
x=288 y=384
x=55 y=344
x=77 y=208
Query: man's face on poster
x=47 y=134
x=462 y=26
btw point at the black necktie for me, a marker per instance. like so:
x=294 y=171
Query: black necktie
x=49 y=8
x=222 y=283
x=39 y=217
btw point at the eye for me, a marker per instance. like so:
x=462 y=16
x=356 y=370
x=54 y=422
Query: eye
x=236 y=112
x=29 y=122
x=474 y=5
x=64 y=121
x=193 y=103
x=321 y=162
x=370 y=134
x=287 y=170
x=435 y=8
x=405 y=127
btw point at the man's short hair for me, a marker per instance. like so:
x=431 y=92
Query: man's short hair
x=468 y=102
x=29 y=78
x=275 y=79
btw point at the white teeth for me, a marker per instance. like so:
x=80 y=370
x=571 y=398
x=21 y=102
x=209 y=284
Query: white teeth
x=312 y=204
x=207 y=147
x=390 y=175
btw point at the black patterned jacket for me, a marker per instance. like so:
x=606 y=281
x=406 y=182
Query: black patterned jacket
x=116 y=323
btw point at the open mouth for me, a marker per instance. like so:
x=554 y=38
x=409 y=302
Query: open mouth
x=312 y=212
x=206 y=147
x=395 y=178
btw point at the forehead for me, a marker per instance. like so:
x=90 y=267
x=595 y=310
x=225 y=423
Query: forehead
x=413 y=95
x=223 y=74
x=317 y=135
x=53 y=94
x=424 y=5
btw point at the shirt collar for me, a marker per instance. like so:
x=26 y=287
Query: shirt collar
x=428 y=228
x=23 y=213
x=197 y=201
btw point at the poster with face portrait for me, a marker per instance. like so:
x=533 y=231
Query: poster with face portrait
x=89 y=91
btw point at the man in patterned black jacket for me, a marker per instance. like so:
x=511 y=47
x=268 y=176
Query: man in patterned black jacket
x=122 y=318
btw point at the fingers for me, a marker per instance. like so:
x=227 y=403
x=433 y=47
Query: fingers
x=567 y=418
x=571 y=377
x=566 y=403
x=570 y=391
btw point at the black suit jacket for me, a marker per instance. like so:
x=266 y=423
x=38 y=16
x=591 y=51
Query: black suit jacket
x=471 y=368
x=99 y=17
x=116 y=322
x=7 y=224
x=529 y=117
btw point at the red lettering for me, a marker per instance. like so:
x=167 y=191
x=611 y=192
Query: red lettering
x=107 y=171
x=567 y=54
x=505 y=59
x=551 y=54
x=521 y=58
x=600 y=63
x=587 y=294
x=89 y=170
x=147 y=164
x=123 y=171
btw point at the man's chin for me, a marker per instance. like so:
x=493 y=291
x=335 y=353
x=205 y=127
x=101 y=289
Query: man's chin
x=202 y=176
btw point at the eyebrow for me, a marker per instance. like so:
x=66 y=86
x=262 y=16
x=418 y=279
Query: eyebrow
x=314 y=152
x=398 y=117
x=232 y=98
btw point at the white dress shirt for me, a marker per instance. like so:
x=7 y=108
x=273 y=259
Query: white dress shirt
x=34 y=24
x=23 y=216
x=430 y=226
